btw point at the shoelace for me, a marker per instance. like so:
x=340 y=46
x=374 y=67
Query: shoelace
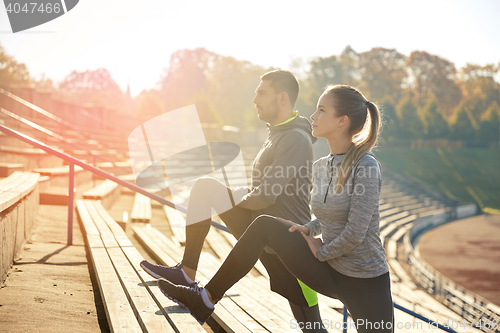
x=197 y=289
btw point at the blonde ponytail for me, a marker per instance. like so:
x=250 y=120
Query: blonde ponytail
x=365 y=125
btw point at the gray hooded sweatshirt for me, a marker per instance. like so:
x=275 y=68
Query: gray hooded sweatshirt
x=349 y=220
x=282 y=173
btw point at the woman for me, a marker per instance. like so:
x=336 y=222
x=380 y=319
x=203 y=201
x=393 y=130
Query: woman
x=349 y=263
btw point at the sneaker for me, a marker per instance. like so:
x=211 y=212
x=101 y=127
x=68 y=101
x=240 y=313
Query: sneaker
x=173 y=274
x=189 y=298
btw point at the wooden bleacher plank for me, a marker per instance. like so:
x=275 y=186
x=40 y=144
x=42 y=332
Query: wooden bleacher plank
x=391 y=249
x=141 y=209
x=393 y=218
x=395 y=225
x=401 y=231
x=101 y=190
x=6 y=169
x=107 y=191
x=391 y=194
x=13 y=180
x=395 y=200
x=27 y=185
x=7 y=199
x=15 y=187
x=389 y=212
x=144 y=307
x=181 y=319
x=166 y=253
x=398 y=270
x=120 y=316
x=177 y=222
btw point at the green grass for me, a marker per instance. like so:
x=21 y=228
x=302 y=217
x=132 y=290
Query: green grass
x=467 y=174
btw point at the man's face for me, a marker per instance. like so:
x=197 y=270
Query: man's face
x=266 y=102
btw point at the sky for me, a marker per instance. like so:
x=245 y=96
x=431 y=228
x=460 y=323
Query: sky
x=134 y=39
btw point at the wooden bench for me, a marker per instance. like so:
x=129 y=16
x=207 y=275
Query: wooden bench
x=59 y=176
x=31 y=158
x=177 y=223
x=389 y=212
x=391 y=227
x=392 y=194
x=141 y=210
x=107 y=192
x=6 y=169
x=131 y=298
x=18 y=209
x=396 y=200
x=392 y=218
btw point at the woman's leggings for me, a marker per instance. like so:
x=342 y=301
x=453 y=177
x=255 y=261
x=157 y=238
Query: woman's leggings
x=368 y=300
x=209 y=193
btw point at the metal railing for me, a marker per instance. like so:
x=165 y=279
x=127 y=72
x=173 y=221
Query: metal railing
x=60 y=138
x=74 y=161
x=52 y=117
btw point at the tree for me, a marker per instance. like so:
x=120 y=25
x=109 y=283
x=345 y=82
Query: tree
x=221 y=87
x=326 y=71
x=479 y=88
x=149 y=104
x=463 y=127
x=490 y=124
x=410 y=123
x=231 y=89
x=382 y=73
x=45 y=84
x=186 y=76
x=350 y=62
x=93 y=87
x=11 y=71
x=434 y=78
x=435 y=125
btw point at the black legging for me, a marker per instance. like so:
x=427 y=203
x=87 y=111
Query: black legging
x=208 y=193
x=368 y=299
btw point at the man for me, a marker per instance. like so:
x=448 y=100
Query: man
x=281 y=183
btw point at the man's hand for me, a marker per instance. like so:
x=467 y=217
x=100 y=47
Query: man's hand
x=295 y=226
x=314 y=243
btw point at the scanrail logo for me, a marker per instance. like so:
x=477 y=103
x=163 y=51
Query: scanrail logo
x=26 y=14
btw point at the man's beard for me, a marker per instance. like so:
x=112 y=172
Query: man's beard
x=270 y=114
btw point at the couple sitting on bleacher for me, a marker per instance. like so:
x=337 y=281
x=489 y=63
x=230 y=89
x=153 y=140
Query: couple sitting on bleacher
x=273 y=222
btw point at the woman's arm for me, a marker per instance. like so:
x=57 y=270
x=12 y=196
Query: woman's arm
x=295 y=226
x=314 y=228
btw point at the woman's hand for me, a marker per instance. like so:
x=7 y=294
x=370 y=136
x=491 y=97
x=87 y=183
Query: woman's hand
x=314 y=244
x=295 y=226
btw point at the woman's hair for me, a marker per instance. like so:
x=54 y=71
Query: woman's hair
x=349 y=101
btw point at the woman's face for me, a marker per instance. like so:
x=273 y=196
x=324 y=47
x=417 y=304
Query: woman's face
x=325 y=120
